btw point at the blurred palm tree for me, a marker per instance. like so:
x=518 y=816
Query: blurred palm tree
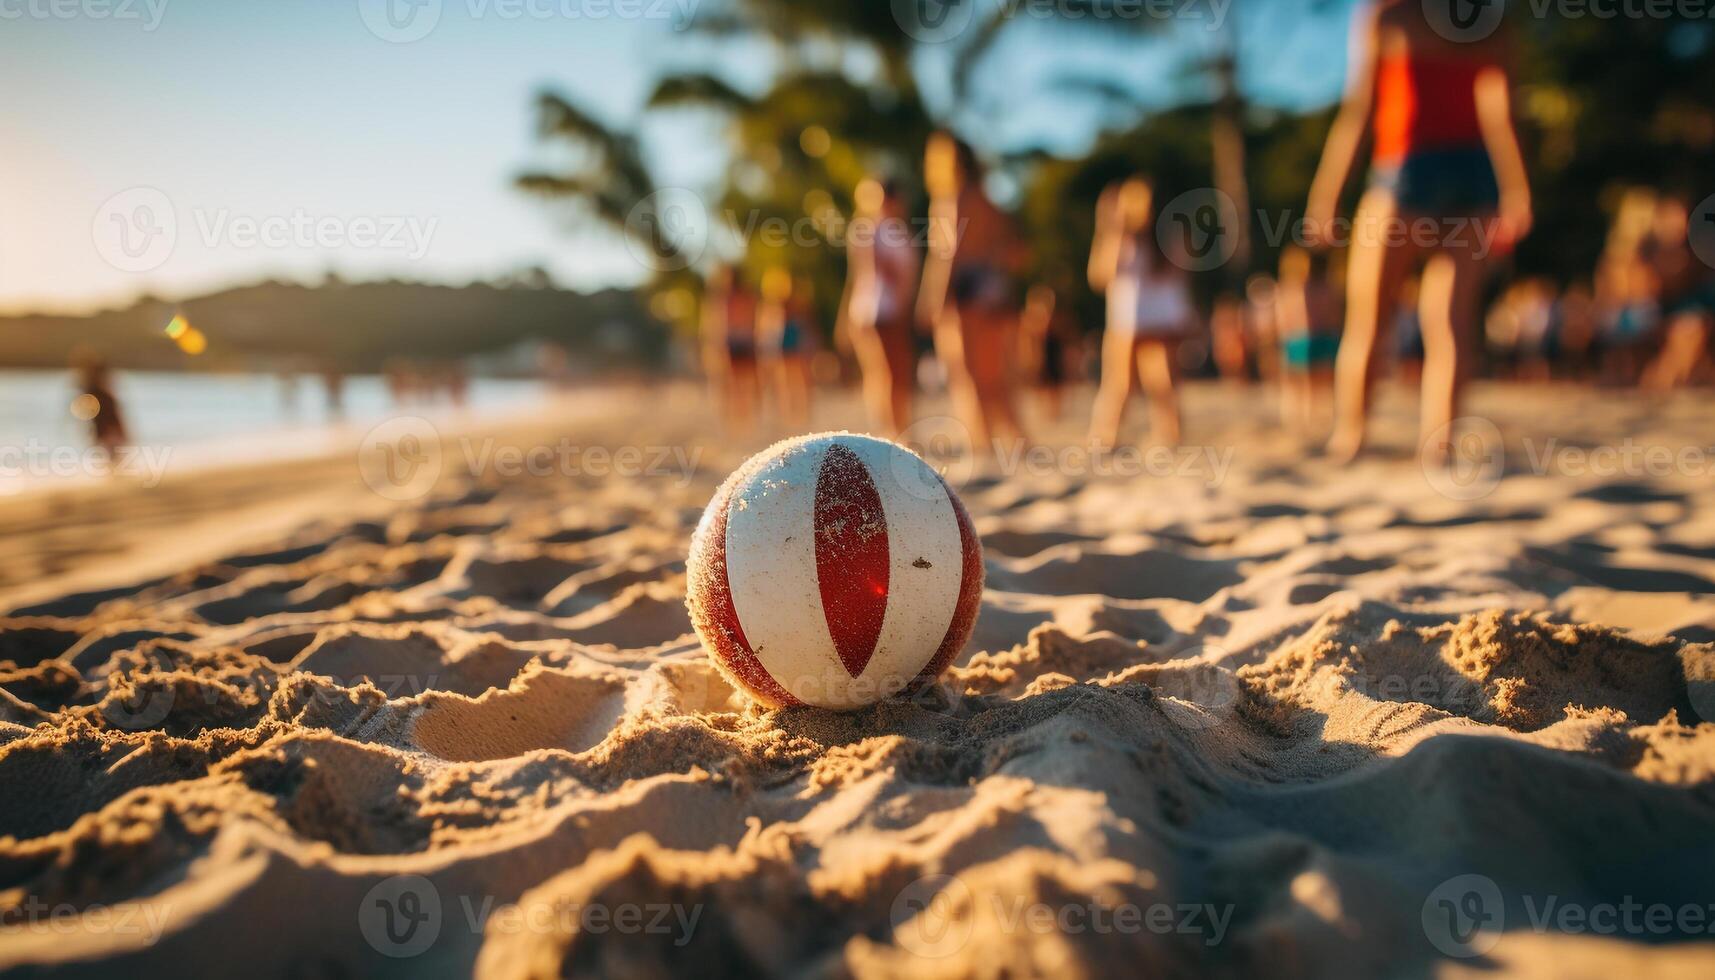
x=797 y=149
x=610 y=182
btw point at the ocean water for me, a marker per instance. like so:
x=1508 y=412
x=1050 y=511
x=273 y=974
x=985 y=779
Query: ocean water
x=207 y=419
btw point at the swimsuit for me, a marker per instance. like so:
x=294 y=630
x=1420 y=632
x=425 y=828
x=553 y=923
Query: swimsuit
x=1429 y=150
x=1053 y=360
x=741 y=348
x=1632 y=323
x=791 y=337
x=1306 y=350
x=978 y=284
x=1144 y=304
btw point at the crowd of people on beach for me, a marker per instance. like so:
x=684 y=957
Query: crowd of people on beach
x=1339 y=312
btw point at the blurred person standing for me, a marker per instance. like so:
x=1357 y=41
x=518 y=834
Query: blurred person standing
x=1230 y=340
x=1263 y=323
x=1445 y=149
x=1628 y=291
x=1307 y=316
x=97 y=403
x=1572 y=340
x=1048 y=347
x=784 y=332
x=967 y=296
x=1149 y=311
x=728 y=328
x=881 y=270
x=1687 y=289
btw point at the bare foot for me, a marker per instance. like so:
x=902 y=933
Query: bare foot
x=1436 y=454
x=1345 y=445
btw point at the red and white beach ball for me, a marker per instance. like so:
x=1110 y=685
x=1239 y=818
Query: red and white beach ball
x=834 y=570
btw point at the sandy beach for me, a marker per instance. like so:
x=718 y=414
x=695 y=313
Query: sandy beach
x=1227 y=711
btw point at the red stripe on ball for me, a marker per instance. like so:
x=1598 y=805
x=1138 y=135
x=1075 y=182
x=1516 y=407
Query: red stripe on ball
x=716 y=619
x=851 y=556
x=970 y=595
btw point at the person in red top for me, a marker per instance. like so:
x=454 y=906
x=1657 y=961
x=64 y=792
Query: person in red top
x=1439 y=111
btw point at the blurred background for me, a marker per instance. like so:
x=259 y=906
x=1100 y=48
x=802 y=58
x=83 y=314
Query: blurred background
x=224 y=218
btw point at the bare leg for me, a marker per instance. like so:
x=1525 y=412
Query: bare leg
x=1375 y=269
x=1296 y=409
x=961 y=386
x=742 y=396
x=1108 y=411
x=877 y=380
x=798 y=388
x=989 y=339
x=1001 y=367
x=901 y=356
x=1447 y=307
x=1155 y=370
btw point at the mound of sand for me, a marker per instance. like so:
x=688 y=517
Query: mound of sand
x=1262 y=727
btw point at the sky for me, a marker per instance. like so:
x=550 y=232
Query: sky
x=172 y=147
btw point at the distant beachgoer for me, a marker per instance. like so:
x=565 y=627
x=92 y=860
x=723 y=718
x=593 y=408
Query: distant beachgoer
x=97 y=403
x=1407 y=333
x=967 y=295
x=1687 y=299
x=1262 y=322
x=1307 y=316
x=1628 y=290
x=729 y=346
x=288 y=383
x=333 y=384
x=785 y=335
x=1049 y=347
x=882 y=261
x=1517 y=329
x=1573 y=337
x=1229 y=340
x=1445 y=151
x=1149 y=313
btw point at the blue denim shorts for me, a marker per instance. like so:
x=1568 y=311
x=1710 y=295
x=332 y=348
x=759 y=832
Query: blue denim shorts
x=1456 y=182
